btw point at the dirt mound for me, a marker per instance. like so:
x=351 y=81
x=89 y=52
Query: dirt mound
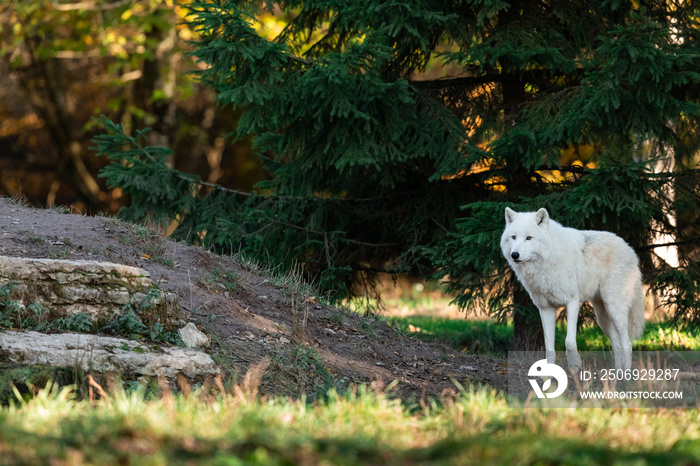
x=263 y=318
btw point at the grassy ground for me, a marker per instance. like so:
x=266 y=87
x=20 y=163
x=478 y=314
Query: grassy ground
x=362 y=427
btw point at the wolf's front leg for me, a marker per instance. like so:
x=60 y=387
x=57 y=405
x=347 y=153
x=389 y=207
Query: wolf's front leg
x=572 y=357
x=549 y=325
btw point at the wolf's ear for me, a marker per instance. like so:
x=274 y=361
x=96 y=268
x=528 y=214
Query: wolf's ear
x=542 y=217
x=510 y=215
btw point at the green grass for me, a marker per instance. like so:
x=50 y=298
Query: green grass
x=298 y=370
x=657 y=336
x=147 y=239
x=360 y=427
x=218 y=277
x=61 y=209
x=485 y=337
x=59 y=253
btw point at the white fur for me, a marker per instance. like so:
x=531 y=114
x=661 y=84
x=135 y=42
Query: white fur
x=560 y=267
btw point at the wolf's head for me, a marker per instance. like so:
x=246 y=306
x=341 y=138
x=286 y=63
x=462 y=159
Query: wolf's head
x=526 y=237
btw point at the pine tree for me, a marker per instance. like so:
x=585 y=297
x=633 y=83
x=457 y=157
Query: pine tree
x=374 y=168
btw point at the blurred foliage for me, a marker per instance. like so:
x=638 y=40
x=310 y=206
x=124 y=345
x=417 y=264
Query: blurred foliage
x=62 y=63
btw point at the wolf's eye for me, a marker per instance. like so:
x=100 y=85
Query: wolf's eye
x=513 y=236
x=528 y=238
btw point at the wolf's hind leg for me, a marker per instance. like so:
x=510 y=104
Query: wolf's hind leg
x=619 y=334
x=601 y=315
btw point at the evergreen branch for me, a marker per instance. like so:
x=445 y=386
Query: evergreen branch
x=178 y=174
x=363 y=268
x=298 y=59
x=479 y=78
x=146 y=152
x=323 y=233
x=218 y=187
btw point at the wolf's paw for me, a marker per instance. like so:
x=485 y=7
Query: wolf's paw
x=573 y=360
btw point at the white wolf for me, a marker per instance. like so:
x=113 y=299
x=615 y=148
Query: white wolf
x=561 y=266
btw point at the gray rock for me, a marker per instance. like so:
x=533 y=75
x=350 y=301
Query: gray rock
x=99 y=354
x=192 y=337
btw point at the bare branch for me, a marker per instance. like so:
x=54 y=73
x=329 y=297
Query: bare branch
x=89 y=5
x=664 y=245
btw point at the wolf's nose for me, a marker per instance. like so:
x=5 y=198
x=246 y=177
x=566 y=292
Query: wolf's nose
x=515 y=255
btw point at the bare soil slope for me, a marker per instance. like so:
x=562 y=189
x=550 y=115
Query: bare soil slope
x=304 y=346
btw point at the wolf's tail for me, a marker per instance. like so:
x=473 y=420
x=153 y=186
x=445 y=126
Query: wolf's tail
x=636 y=315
